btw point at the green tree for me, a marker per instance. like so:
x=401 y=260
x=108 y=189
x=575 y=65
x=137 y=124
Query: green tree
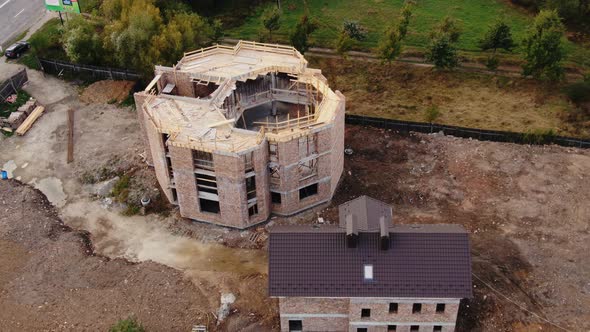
x=391 y=45
x=184 y=32
x=300 y=37
x=129 y=36
x=344 y=43
x=447 y=26
x=217 y=33
x=497 y=37
x=354 y=30
x=442 y=51
x=405 y=16
x=81 y=42
x=543 y=47
x=127 y=325
x=271 y=20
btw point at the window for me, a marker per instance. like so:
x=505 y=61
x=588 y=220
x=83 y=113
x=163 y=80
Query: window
x=251 y=188
x=437 y=328
x=206 y=184
x=440 y=308
x=275 y=198
x=273 y=151
x=203 y=160
x=393 y=308
x=253 y=210
x=368 y=272
x=209 y=206
x=365 y=313
x=417 y=308
x=295 y=325
x=248 y=164
x=174 y=195
x=308 y=191
x=361 y=329
x=391 y=327
x=414 y=328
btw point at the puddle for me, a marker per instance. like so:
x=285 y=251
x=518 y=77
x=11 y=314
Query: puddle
x=52 y=188
x=9 y=167
x=146 y=238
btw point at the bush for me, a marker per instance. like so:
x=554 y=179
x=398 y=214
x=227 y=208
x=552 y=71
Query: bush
x=127 y=325
x=354 y=30
x=539 y=136
x=578 y=92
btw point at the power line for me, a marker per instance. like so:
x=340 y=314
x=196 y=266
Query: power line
x=518 y=305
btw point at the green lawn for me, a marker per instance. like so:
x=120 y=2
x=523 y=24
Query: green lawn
x=474 y=15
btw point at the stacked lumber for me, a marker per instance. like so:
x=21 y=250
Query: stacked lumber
x=26 y=125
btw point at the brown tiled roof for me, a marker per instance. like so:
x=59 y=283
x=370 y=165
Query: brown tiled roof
x=426 y=261
x=366 y=212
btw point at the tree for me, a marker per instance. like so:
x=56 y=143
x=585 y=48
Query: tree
x=217 y=33
x=447 y=26
x=299 y=37
x=405 y=15
x=442 y=51
x=184 y=32
x=344 y=43
x=497 y=37
x=543 y=47
x=271 y=20
x=354 y=30
x=128 y=37
x=81 y=41
x=391 y=45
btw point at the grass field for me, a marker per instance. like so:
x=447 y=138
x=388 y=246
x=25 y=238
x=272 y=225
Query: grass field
x=376 y=15
x=411 y=93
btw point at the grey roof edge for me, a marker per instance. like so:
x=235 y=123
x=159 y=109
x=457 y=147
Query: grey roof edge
x=397 y=228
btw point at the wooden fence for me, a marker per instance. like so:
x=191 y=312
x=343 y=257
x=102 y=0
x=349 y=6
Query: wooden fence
x=13 y=84
x=59 y=68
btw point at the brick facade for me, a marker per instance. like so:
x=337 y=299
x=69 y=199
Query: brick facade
x=293 y=191
x=345 y=314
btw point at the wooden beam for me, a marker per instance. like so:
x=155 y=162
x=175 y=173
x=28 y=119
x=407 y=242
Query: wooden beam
x=221 y=123
x=26 y=125
x=70 y=135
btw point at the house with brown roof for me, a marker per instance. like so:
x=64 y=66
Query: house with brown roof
x=368 y=274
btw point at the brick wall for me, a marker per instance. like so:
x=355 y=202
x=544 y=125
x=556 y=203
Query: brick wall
x=337 y=314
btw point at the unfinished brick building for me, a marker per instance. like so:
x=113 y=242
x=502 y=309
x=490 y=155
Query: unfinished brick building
x=238 y=133
x=368 y=275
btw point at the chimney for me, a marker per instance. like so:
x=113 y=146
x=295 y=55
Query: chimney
x=352 y=233
x=384 y=234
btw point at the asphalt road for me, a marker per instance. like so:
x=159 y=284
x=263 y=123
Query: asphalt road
x=17 y=16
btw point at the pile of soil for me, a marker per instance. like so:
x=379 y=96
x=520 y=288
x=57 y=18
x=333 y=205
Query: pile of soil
x=107 y=92
x=50 y=278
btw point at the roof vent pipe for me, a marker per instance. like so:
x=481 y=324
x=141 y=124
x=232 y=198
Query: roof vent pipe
x=384 y=234
x=351 y=232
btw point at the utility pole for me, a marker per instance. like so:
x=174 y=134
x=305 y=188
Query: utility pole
x=61 y=19
x=279 y=4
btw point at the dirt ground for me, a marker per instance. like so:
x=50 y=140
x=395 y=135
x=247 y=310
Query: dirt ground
x=525 y=206
x=106 y=92
x=464 y=99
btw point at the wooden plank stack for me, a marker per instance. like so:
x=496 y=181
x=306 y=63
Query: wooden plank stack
x=26 y=125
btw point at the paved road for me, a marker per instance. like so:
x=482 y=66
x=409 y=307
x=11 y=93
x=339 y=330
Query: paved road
x=17 y=16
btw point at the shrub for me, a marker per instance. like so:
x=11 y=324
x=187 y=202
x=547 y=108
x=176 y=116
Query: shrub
x=431 y=114
x=578 y=92
x=127 y=325
x=543 y=47
x=354 y=30
x=539 y=136
x=271 y=20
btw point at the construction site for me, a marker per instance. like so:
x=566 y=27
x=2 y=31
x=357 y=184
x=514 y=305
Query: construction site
x=237 y=133
x=72 y=259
